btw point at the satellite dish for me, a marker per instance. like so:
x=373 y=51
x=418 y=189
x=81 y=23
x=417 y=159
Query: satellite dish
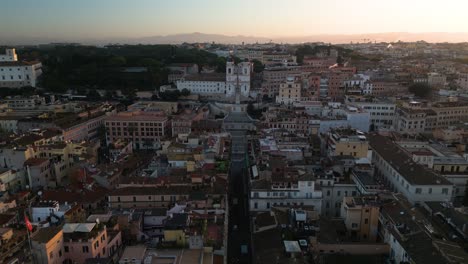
x=97 y=221
x=39 y=193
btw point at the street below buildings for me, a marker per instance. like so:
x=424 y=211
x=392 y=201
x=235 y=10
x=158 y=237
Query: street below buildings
x=239 y=237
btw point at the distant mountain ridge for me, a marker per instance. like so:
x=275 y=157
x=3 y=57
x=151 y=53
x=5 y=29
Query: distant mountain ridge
x=331 y=38
x=225 y=39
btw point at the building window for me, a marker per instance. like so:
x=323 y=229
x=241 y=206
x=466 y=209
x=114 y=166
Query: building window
x=444 y=190
x=418 y=190
x=66 y=248
x=85 y=249
x=366 y=221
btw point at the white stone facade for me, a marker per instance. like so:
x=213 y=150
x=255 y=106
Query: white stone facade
x=15 y=74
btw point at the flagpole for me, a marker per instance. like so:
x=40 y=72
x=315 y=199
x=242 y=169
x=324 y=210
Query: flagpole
x=30 y=247
x=27 y=223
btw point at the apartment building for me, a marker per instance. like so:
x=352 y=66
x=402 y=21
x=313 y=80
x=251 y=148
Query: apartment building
x=462 y=80
x=182 y=123
x=285 y=188
x=75 y=243
x=334 y=189
x=412 y=120
x=84 y=241
x=387 y=88
x=361 y=217
x=47 y=246
x=436 y=80
x=290 y=91
x=417 y=117
x=450 y=113
x=144 y=128
x=416 y=182
x=289 y=120
x=274 y=76
x=337 y=115
x=382 y=111
x=408 y=242
x=440 y=159
x=336 y=83
x=155 y=196
x=87 y=129
x=346 y=141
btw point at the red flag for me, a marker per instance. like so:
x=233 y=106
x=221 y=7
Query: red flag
x=27 y=223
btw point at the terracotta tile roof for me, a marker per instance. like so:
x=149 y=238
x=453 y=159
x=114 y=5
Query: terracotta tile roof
x=35 y=161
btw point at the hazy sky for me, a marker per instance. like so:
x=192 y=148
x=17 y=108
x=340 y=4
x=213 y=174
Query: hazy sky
x=270 y=18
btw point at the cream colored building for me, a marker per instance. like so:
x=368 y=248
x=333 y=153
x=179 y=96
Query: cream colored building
x=361 y=216
x=289 y=91
x=347 y=141
x=436 y=80
x=47 y=246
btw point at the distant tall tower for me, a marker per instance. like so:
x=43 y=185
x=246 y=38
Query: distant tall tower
x=238 y=78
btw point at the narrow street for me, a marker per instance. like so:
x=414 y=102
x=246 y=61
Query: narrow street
x=239 y=238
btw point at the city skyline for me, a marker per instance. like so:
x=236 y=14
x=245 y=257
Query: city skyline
x=117 y=20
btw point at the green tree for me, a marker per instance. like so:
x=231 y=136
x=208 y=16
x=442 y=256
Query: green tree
x=93 y=95
x=220 y=64
x=116 y=61
x=185 y=92
x=170 y=95
x=109 y=95
x=339 y=60
x=420 y=90
x=54 y=84
x=258 y=66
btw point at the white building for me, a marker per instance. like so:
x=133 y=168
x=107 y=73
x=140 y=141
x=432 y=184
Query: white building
x=360 y=82
x=462 y=80
x=436 y=80
x=335 y=115
x=16 y=74
x=203 y=84
x=20 y=102
x=333 y=192
x=209 y=84
x=416 y=182
x=48 y=211
x=10 y=55
x=303 y=192
x=382 y=112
